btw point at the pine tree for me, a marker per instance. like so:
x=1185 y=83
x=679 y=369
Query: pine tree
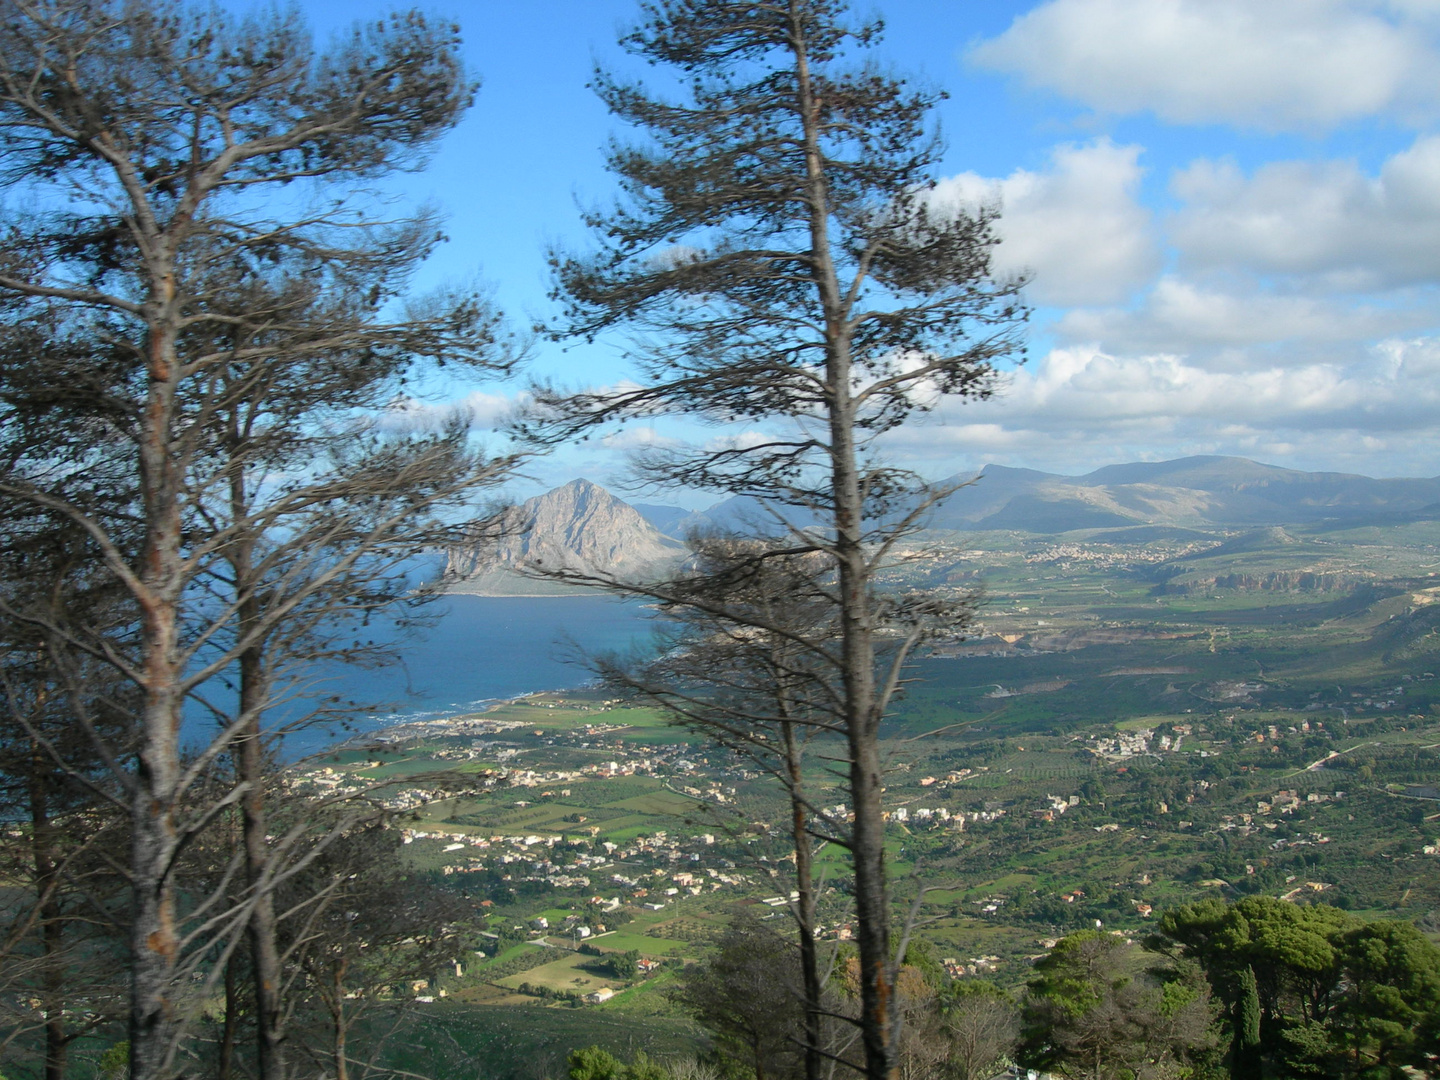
x=1245 y=1048
x=778 y=261
x=235 y=314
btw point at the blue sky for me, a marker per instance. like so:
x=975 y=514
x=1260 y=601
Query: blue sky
x=1231 y=209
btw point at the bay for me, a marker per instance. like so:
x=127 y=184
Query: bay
x=480 y=650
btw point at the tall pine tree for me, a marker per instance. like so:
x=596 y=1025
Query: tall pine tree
x=198 y=226
x=779 y=262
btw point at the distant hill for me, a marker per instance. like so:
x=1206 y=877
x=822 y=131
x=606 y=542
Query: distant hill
x=1037 y=514
x=579 y=526
x=1189 y=493
x=1185 y=494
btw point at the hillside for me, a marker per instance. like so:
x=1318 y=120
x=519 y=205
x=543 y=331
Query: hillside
x=1144 y=717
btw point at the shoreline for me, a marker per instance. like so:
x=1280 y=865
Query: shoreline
x=436 y=717
x=474 y=658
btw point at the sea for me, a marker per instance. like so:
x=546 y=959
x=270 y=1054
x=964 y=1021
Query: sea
x=480 y=651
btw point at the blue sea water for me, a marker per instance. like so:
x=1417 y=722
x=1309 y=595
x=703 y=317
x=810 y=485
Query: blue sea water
x=482 y=649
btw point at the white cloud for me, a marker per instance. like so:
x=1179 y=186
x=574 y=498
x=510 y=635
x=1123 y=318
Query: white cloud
x=1080 y=407
x=1087 y=384
x=1293 y=326
x=1077 y=225
x=1267 y=64
x=1328 y=218
x=1186 y=317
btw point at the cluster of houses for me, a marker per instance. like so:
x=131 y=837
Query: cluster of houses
x=1382 y=703
x=1288 y=801
x=955 y=819
x=1055 y=806
x=653 y=761
x=1300 y=841
x=656 y=896
x=535 y=857
x=975 y=965
x=1129 y=744
x=329 y=781
x=1108 y=556
x=1245 y=824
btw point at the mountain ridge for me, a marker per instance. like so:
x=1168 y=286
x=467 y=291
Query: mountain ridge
x=581 y=526
x=1214 y=491
x=1203 y=491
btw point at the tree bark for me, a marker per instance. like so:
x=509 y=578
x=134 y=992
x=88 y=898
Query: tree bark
x=872 y=907
x=805 y=907
x=264 y=948
x=154 y=943
x=250 y=769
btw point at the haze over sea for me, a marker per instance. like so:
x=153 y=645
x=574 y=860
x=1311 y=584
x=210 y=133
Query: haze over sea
x=481 y=650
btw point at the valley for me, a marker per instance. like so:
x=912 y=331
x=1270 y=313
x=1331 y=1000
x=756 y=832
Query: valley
x=1134 y=722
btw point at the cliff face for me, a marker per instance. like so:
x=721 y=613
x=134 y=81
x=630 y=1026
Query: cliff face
x=580 y=526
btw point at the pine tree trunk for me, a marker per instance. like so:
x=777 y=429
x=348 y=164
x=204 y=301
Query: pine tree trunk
x=805 y=907
x=250 y=760
x=872 y=906
x=154 y=943
x=264 y=948
x=154 y=940
x=867 y=837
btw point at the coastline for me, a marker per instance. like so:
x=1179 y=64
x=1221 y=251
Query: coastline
x=474 y=658
x=436 y=717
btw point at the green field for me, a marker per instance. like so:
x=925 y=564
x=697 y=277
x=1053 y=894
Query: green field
x=568 y=972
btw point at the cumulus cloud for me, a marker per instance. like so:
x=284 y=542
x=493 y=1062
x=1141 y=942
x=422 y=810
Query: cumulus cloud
x=1295 y=328
x=1328 y=218
x=1191 y=318
x=1272 y=65
x=1076 y=225
x=1086 y=405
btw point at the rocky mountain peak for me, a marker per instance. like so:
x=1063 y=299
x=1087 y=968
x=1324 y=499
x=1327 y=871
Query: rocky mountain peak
x=577 y=526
